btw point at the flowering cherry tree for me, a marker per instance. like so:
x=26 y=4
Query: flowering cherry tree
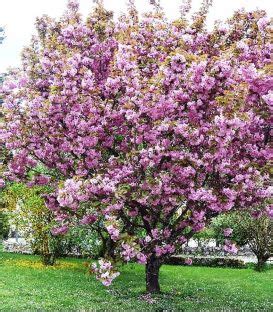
x=143 y=126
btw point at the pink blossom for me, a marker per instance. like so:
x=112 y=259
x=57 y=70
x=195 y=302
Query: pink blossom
x=230 y=247
x=62 y=217
x=105 y=272
x=262 y=23
x=2 y=183
x=59 y=230
x=168 y=249
x=155 y=233
x=141 y=258
x=147 y=239
x=182 y=239
x=88 y=219
x=128 y=252
x=188 y=261
x=269 y=211
x=228 y=232
x=114 y=232
x=159 y=251
x=166 y=233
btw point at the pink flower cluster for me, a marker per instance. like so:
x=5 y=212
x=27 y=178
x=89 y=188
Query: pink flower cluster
x=60 y=230
x=230 y=247
x=2 y=183
x=228 y=232
x=163 y=250
x=129 y=252
x=104 y=271
x=88 y=219
x=113 y=231
x=188 y=261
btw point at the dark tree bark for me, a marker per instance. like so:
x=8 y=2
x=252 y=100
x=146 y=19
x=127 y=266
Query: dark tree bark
x=48 y=259
x=152 y=275
x=261 y=262
x=110 y=248
x=47 y=252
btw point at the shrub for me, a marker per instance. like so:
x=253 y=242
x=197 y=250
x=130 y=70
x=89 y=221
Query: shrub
x=28 y=213
x=207 y=261
x=83 y=242
x=257 y=232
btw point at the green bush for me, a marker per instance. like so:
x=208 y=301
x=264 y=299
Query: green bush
x=209 y=262
x=35 y=221
x=256 y=232
x=30 y=216
x=234 y=221
x=82 y=241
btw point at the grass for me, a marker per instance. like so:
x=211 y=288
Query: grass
x=25 y=285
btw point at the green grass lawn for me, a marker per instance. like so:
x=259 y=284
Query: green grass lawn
x=26 y=285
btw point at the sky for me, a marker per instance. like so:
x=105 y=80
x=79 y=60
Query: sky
x=18 y=18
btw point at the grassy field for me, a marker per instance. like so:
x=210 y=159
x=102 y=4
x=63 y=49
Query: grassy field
x=26 y=285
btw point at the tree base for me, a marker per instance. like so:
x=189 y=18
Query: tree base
x=48 y=260
x=152 y=276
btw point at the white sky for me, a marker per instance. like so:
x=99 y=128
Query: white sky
x=18 y=17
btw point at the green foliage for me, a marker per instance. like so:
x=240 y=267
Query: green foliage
x=256 y=232
x=33 y=219
x=206 y=234
x=240 y=231
x=4 y=225
x=82 y=241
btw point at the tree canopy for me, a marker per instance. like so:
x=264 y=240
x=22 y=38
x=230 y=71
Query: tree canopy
x=148 y=126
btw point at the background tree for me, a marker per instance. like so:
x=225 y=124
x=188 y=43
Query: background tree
x=83 y=242
x=33 y=220
x=229 y=221
x=146 y=127
x=256 y=232
x=204 y=236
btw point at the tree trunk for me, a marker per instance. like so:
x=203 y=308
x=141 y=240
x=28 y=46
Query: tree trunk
x=110 y=249
x=103 y=249
x=48 y=259
x=152 y=275
x=261 y=262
